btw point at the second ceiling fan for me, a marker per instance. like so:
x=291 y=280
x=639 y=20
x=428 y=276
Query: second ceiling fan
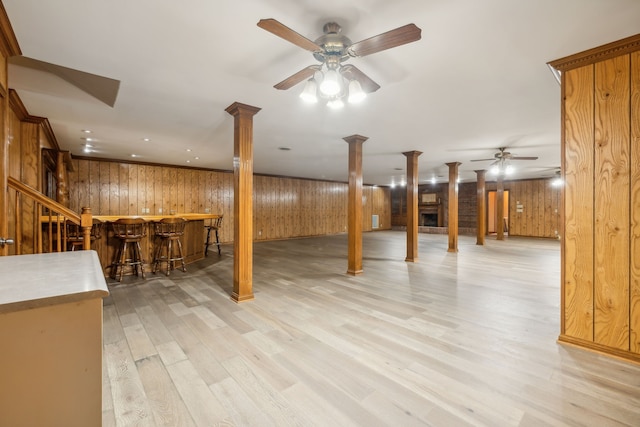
x=331 y=79
x=501 y=161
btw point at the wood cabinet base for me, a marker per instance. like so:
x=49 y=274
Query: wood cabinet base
x=51 y=365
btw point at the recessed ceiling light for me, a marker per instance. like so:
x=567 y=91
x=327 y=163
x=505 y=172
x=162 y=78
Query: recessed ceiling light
x=86 y=131
x=134 y=155
x=87 y=139
x=146 y=139
x=188 y=161
x=189 y=150
x=197 y=158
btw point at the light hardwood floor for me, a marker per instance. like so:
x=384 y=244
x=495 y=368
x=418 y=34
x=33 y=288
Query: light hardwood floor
x=466 y=339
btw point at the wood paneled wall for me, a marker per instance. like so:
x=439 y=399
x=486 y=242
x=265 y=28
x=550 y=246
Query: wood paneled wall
x=283 y=207
x=540 y=201
x=26 y=136
x=534 y=208
x=601 y=161
x=8 y=47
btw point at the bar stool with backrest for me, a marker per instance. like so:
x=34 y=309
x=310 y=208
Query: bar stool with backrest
x=215 y=225
x=169 y=230
x=75 y=237
x=130 y=231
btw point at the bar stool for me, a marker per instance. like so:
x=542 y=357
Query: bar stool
x=215 y=225
x=169 y=230
x=75 y=237
x=130 y=232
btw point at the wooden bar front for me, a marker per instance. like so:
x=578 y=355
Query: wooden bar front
x=192 y=241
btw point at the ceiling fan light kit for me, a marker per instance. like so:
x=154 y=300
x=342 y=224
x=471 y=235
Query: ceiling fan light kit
x=332 y=80
x=502 y=169
x=309 y=92
x=356 y=94
x=335 y=103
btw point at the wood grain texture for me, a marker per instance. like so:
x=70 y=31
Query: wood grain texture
x=404 y=344
x=30 y=175
x=500 y=213
x=284 y=207
x=453 y=207
x=634 y=298
x=528 y=192
x=540 y=205
x=243 y=200
x=354 y=204
x=611 y=203
x=11 y=168
x=578 y=148
x=481 y=227
x=412 y=205
x=10 y=48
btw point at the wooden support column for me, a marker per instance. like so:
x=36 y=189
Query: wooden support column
x=242 y=200
x=354 y=205
x=500 y=207
x=453 y=206
x=412 y=205
x=481 y=207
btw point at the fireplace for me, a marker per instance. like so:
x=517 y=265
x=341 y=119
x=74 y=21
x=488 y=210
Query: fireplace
x=430 y=215
x=429 y=219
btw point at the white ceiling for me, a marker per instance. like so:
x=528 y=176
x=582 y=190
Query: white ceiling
x=476 y=81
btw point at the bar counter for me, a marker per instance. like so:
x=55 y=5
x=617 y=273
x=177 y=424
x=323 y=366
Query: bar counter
x=192 y=241
x=51 y=334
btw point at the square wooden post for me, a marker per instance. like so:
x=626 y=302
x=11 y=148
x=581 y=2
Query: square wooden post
x=412 y=205
x=500 y=207
x=354 y=205
x=481 y=208
x=453 y=206
x=242 y=200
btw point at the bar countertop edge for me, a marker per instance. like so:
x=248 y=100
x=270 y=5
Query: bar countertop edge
x=151 y=218
x=32 y=281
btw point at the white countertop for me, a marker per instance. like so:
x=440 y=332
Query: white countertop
x=30 y=281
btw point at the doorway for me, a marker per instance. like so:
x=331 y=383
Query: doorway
x=492 y=212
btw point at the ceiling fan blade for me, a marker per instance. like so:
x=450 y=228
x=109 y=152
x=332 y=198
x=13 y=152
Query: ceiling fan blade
x=296 y=78
x=402 y=35
x=286 y=33
x=351 y=72
x=523 y=158
x=482 y=160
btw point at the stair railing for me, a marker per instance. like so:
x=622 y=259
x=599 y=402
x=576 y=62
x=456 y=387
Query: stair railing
x=56 y=217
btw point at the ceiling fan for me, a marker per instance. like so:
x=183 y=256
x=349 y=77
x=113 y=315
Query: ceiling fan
x=501 y=161
x=331 y=79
